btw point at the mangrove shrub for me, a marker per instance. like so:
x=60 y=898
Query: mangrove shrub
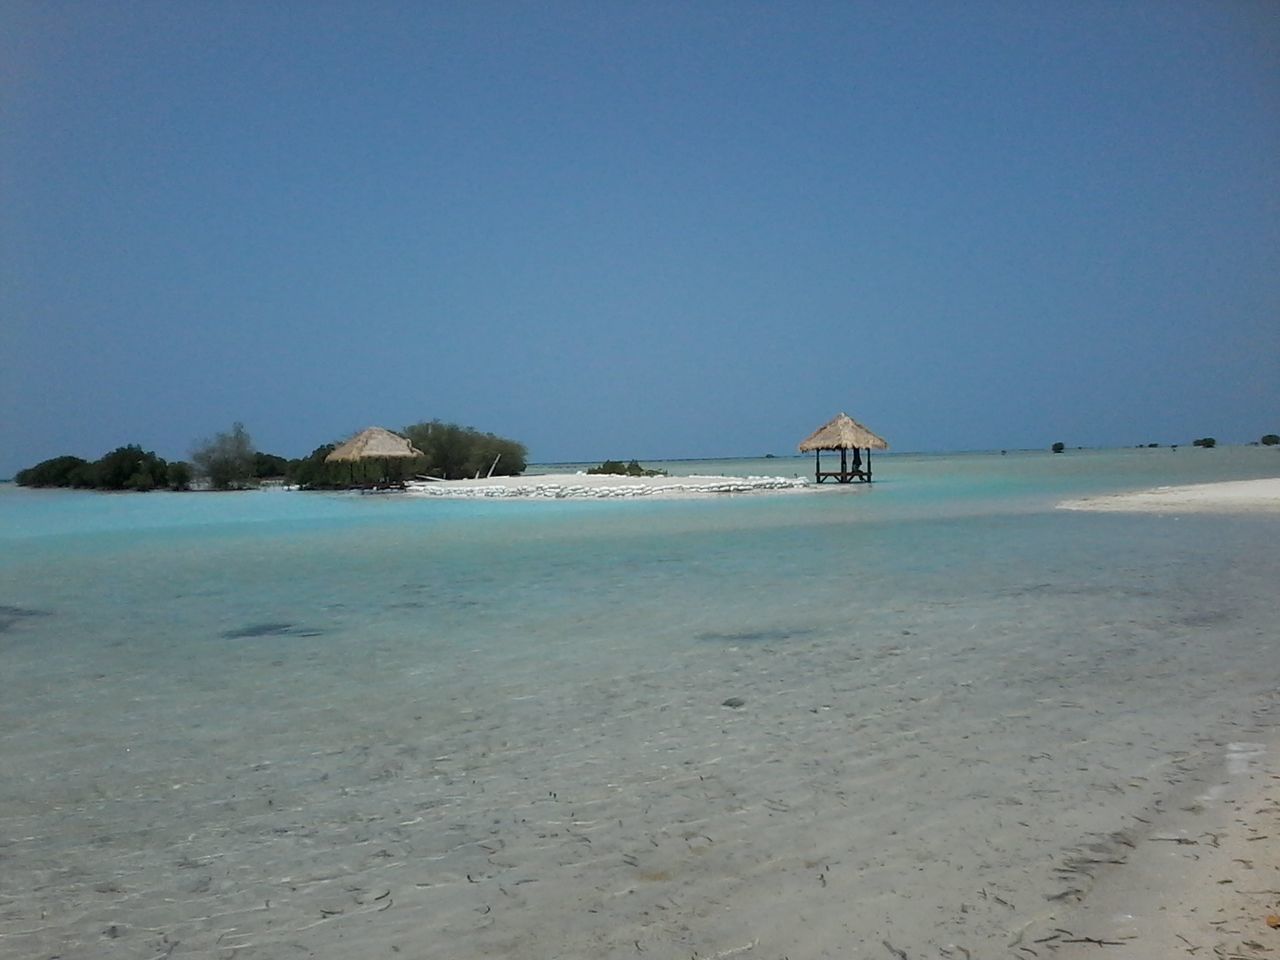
x=54 y=472
x=632 y=469
x=453 y=452
x=227 y=460
x=124 y=468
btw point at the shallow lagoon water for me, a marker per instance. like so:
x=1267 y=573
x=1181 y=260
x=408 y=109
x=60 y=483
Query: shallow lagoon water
x=271 y=724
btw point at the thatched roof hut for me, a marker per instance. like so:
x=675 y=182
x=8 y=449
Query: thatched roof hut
x=843 y=433
x=373 y=444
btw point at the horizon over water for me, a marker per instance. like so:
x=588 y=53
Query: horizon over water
x=269 y=724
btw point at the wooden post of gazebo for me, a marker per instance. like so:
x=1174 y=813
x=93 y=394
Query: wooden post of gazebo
x=843 y=433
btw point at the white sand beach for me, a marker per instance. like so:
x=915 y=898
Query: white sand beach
x=1235 y=495
x=560 y=486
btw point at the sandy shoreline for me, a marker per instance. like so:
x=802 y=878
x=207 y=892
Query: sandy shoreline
x=1229 y=496
x=1203 y=879
x=578 y=486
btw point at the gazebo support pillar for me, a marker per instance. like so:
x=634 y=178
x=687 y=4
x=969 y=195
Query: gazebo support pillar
x=848 y=473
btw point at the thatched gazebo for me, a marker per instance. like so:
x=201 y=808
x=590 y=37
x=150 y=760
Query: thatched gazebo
x=373 y=444
x=843 y=433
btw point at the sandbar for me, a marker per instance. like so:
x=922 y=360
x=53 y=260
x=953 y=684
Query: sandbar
x=561 y=486
x=1229 y=496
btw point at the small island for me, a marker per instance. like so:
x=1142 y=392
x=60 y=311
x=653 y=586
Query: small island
x=231 y=461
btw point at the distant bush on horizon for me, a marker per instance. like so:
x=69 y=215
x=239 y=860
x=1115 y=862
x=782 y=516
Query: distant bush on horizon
x=1270 y=440
x=1205 y=442
x=632 y=469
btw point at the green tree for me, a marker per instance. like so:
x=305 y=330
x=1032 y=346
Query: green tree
x=85 y=476
x=54 y=472
x=130 y=468
x=445 y=448
x=312 y=472
x=1058 y=447
x=124 y=468
x=227 y=460
x=1270 y=440
x=453 y=452
x=178 y=476
x=269 y=465
x=1206 y=442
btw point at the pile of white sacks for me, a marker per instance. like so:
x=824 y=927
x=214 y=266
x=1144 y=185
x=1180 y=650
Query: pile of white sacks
x=564 y=488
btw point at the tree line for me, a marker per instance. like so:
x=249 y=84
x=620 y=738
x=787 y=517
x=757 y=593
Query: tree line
x=230 y=461
x=124 y=468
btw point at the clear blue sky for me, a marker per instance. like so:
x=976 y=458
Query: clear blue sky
x=638 y=229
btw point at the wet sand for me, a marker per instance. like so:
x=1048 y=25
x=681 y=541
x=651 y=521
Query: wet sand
x=1203 y=880
x=810 y=799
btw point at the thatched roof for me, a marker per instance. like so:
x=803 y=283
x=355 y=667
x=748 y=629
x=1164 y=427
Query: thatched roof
x=373 y=444
x=842 y=433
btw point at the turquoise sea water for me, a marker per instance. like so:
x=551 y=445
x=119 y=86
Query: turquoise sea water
x=277 y=724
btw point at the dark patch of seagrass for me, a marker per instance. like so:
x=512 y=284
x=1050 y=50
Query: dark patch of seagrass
x=282 y=628
x=11 y=616
x=754 y=636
